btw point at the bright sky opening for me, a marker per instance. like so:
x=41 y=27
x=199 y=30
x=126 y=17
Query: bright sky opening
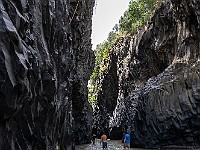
x=106 y=14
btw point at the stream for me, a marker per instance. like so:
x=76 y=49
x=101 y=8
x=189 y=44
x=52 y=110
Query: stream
x=112 y=145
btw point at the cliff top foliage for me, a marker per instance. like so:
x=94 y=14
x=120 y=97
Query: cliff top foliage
x=137 y=15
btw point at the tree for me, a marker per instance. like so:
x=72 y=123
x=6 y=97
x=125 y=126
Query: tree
x=137 y=14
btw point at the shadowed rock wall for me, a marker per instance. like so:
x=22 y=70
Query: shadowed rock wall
x=158 y=80
x=45 y=63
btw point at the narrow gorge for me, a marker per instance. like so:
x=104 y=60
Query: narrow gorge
x=151 y=87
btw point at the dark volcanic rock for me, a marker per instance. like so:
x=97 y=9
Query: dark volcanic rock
x=108 y=97
x=45 y=63
x=158 y=80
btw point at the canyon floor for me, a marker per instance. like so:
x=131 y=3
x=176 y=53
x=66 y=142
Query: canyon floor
x=112 y=145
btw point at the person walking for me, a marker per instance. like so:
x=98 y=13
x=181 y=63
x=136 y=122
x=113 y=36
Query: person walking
x=127 y=140
x=93 y=139
x=104 y=141
x=123 y=137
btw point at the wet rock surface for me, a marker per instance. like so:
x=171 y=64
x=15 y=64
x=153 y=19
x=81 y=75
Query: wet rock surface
x=45 y=63
x=157 y=98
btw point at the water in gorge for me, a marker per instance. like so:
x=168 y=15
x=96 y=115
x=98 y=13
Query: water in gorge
x=112 y=145
x=117 y=145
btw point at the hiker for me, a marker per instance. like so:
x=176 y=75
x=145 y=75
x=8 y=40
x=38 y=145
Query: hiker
x=93 y=139
x=123 y=137
x=127 y=140
x=104 y=141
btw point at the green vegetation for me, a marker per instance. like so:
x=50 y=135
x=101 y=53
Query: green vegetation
x=101 y=64
x=137 y=15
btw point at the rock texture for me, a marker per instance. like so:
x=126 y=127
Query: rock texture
x=45 y=63
x=158 y=97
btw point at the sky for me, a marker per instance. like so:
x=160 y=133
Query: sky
x=106 y=14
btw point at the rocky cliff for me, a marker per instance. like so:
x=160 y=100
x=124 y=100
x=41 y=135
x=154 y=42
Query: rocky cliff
x=45 y=63
x=157 y=72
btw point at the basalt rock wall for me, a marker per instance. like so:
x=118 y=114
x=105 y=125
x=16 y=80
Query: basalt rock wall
x=158 y=80
x=45 y=63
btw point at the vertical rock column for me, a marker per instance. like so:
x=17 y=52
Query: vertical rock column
x=43 y=45
x=81 y=24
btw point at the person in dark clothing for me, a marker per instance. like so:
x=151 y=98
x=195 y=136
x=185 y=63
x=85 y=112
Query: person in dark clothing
x=93 y=139
x=123 y=137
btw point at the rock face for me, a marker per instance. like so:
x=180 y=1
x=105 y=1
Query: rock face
x=158 y=78
x=45 y=63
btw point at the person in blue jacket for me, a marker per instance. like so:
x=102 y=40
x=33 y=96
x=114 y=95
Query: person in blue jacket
x=127 y=140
